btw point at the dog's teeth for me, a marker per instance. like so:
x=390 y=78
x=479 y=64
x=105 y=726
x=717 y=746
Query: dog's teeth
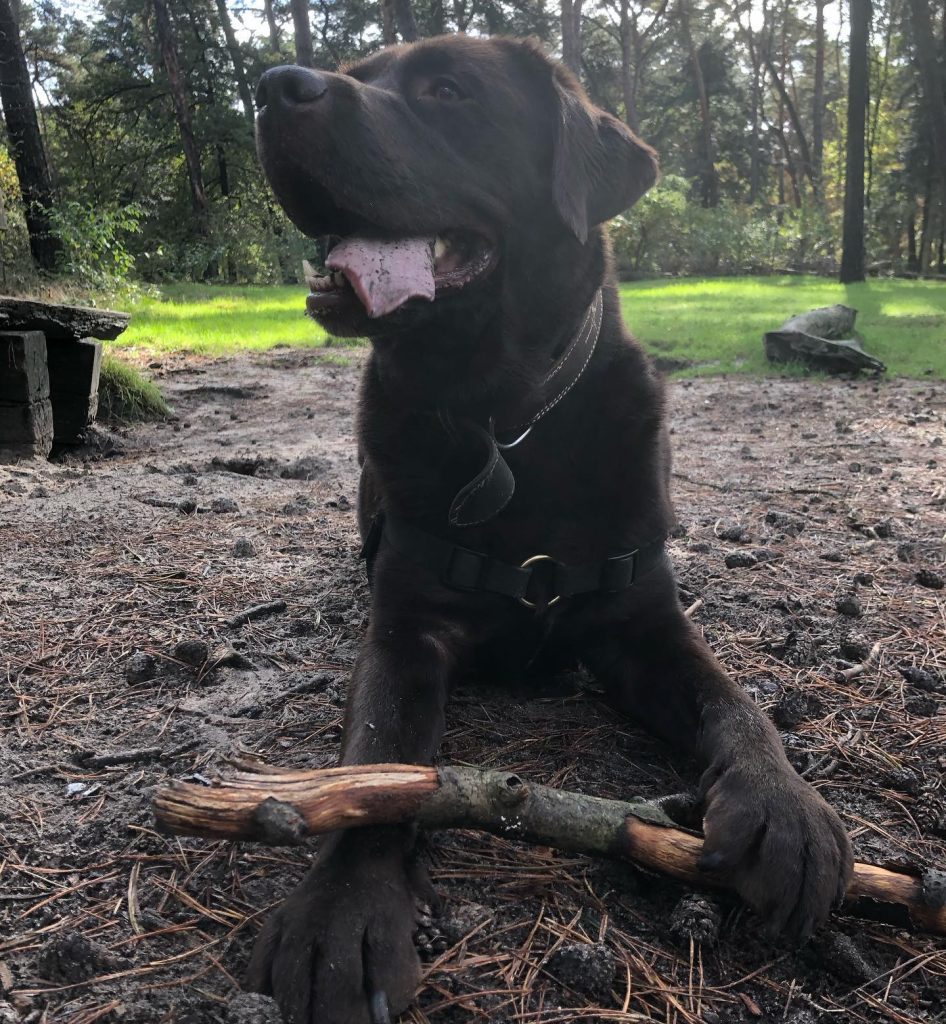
x=440 y=247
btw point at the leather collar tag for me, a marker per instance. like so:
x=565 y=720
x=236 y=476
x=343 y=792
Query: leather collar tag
x=490 y=491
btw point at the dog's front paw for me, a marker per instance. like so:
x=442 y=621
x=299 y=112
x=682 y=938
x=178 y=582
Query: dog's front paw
x=340 y=948
x=779 y=844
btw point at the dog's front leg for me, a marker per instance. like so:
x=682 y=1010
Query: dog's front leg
x=784 y=849
x=340 y=948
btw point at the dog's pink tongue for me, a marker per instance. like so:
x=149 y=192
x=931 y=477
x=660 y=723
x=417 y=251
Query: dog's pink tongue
x=385 y=274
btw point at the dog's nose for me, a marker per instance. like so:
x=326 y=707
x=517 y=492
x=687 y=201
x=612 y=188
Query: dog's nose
x=290 y=84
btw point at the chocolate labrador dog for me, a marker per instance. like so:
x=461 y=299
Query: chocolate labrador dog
x=514 y=492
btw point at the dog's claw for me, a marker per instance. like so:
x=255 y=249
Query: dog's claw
x=380 y=1011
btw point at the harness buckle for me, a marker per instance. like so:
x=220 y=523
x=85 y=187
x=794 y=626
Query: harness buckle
x=528 y=564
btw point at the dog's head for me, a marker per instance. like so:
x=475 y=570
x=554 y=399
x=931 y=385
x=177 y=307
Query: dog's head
x=424 y=165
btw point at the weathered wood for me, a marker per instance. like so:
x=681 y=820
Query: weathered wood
x=61 y=323
x=24 y=376
x=72 y=416
x=26 y=430
x=831 y=322
x=74 y=370
x=280 y=806
x=823 y=338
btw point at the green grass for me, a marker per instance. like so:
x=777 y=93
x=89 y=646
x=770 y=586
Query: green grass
x=215 y=320
x=127 y=396
x=716 y=324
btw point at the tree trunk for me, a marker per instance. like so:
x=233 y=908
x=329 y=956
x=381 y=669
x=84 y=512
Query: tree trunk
x=164 y=34
x=236 y=58
x=931 y=79
x=438 y=18
x=571 y=34
x=628 y=69
x=755 y=157
x=388 y=29
x=788 y=105
x=223 y=171
x=709 y=185
x=925 y=223
x=26 y=143
x=754 y=45
x=913 y=259
x=853 y=258
x=878 y=100
x=786 y=168
x=818 y=105
x=406 y=25
x=305 y=55
x=274 y=42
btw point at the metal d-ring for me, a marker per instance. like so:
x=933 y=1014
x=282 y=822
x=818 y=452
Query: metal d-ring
x=532 y=561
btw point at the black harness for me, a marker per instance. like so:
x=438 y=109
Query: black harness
x=540 y=581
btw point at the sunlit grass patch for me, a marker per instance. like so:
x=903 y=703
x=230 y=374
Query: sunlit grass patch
x=712 y=325
x=717 y=324
x=215 y=320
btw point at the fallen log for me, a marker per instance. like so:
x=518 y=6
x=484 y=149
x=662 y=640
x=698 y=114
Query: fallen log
x=278 y=806
x=824 y=339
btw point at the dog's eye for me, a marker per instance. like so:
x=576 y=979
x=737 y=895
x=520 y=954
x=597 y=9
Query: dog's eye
x=445 y=89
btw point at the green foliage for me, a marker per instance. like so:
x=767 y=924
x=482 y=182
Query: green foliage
x=94 y=240
x=114 y=142
x=125 y=396
x=16 y=265
x=670 y=232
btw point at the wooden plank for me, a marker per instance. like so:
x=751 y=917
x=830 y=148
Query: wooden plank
x=74 y=368
x=61 y=323
x=23 y=369
x=71 y=415
x=26 y=430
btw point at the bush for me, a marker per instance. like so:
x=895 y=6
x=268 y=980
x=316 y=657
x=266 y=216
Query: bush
x=248 y=241
x=17 y=272
x=670 y=233
x=94 y=241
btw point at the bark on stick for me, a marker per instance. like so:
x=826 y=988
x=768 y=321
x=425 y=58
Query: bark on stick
x=280 y=806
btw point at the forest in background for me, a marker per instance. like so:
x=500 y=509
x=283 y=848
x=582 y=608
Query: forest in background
x=767 y=116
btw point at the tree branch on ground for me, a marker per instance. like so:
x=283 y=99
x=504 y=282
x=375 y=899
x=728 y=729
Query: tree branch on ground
x=278 y=806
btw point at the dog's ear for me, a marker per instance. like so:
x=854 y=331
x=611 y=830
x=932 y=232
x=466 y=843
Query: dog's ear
x=599 y=165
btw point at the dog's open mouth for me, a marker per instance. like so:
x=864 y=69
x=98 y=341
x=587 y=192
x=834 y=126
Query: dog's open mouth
x=385 y=273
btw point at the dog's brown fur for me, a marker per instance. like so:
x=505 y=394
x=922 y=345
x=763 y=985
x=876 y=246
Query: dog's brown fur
x=524 y=158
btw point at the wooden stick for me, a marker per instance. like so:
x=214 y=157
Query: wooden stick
x=284 y=806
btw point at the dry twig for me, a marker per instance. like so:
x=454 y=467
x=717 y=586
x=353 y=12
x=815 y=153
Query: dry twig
x=279 y=807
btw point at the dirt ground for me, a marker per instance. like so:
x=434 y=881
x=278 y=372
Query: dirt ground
x=813 y=519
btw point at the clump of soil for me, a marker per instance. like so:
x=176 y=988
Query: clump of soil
x=133 y=652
